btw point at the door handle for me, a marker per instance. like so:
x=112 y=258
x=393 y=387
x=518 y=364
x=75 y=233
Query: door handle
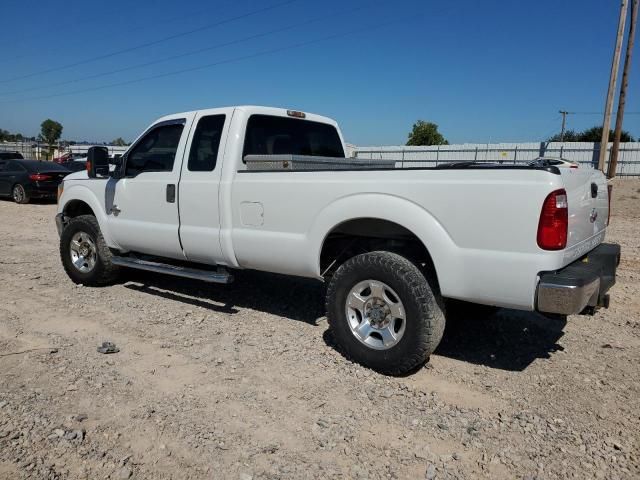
x=171 y=193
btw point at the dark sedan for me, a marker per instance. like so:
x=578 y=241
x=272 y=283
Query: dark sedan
x=23 y=180
x=75 y=165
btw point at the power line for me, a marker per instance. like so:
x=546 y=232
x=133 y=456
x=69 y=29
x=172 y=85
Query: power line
x=600 y=113
x=193 y=52
x=154 y=42
x=221 y=62
x=136 y=25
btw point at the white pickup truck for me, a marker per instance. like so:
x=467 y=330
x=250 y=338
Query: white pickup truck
x=201 y=193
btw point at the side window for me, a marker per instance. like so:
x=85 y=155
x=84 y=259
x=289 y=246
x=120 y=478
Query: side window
x=14 y=167
x=156 y=151
x=205 y=144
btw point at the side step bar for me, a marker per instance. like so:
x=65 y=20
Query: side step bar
x=221 y=276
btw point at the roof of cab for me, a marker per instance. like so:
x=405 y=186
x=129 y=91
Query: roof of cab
x=252 y=109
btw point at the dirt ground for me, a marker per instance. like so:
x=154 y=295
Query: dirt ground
x=245 y=382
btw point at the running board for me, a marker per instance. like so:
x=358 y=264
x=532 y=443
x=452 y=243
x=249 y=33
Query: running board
x=221 y=276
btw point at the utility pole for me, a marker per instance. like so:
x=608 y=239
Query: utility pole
x=564 y=123
x=613 y=162
x=613 y=78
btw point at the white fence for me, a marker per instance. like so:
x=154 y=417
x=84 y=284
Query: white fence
x=515 y=153
x=35 y=150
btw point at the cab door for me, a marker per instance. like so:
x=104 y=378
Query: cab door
x=199 y=187
x=142 y=204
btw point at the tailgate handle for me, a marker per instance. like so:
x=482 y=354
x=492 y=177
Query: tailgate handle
x=171 y=193
x=594 y=190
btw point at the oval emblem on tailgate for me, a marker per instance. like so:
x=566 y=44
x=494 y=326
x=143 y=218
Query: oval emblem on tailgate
x=593 y=216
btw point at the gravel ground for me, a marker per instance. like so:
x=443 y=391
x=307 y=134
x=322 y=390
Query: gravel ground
x=245 y=382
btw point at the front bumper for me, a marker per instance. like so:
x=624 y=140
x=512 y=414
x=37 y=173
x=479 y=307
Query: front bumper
x=60 y=222
x=581 y=286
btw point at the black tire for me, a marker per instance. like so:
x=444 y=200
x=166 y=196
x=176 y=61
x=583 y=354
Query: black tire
x=425 y=320
x=103 y=272
x=19 y=194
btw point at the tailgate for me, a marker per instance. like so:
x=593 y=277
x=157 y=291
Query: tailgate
x=588 y=201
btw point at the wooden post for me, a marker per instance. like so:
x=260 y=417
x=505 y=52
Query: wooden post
x=613 y=78
x=613 y=162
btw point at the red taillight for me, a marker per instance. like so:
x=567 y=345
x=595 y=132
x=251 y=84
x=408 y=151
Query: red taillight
x=39 y=177
x=554 y=221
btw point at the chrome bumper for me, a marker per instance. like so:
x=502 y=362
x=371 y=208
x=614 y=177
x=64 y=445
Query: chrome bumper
x=582 y=286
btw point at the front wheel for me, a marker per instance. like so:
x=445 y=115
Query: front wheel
x=19 y=194
x=384 y=313
x=84 y=253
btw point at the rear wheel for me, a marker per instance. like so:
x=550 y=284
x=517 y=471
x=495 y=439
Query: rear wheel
x=383 y=312
x=19 y=194
x=84 y=253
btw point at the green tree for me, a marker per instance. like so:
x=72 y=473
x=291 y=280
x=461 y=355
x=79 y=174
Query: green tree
x=426 y=133
x=119 y=142
x=569 y=136
x=593 y=134
x=50 y=132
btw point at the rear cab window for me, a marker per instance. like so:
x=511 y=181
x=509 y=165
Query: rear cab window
x=272 y=135
x=206 y=143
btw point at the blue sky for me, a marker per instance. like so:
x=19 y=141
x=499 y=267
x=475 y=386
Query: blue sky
x=490 y=70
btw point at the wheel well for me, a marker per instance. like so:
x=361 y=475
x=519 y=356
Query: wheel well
x=75 y=208
x=362 y=235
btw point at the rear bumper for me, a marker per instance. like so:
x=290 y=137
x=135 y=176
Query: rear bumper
x=581 y=285
x=42 y=191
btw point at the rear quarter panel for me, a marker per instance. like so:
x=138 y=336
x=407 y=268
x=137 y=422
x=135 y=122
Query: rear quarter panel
x=479 y=226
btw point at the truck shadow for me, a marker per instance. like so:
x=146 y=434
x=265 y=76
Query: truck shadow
x=289 y=297
x=507 y=340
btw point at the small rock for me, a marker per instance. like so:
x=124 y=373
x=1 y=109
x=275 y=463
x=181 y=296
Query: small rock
x=617 y=446
x=443 y=426
x=125 y=473
x=59 y=432
x=3 y=403
x=456 y=456
x=81 y=417
x=321 y=422
x=431 y=472
x=69 y=435
x=108 y=347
